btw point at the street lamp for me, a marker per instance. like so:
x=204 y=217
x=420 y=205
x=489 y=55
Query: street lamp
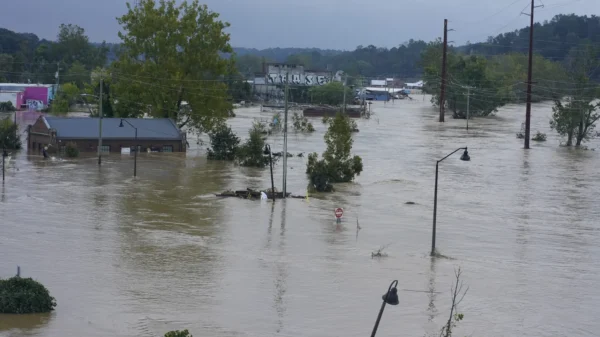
x=136 y=146
x=100 y=121
x=4 y=155
x=463 y=157
x=391 y=298
x=268 y=151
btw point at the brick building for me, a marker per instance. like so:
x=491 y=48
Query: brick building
x=156 y=134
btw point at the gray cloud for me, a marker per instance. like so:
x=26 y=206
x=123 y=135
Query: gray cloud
x=335 y=24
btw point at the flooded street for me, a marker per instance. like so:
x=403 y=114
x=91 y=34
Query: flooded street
x=139 y=257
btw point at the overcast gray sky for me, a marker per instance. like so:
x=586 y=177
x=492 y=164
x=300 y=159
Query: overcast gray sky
x=333 y=24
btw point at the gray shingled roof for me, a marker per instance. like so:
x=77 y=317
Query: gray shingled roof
x=87 y=128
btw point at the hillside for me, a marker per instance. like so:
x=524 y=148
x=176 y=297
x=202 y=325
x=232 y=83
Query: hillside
x=555 y=40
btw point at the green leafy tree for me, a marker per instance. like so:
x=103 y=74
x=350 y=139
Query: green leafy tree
x=576 y=117
x=78 y=75
x=24 y=296
x=337 y=164
x=224 y=143
x=251 y=152
x=171 y=54
x=7 y=106
x=331 y=93
x=68 y=95
x=71 y=150
x=301 y=123
x=9 y=135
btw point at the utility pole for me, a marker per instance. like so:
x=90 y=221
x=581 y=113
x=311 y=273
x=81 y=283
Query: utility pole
x=57 y=78
x=285 y=125
x=344 y=104
x=443 y=86
x=100 y=124
x=529 y=77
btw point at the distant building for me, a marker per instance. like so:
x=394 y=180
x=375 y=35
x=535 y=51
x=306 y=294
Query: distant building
x=154 y=134
x=27 y=96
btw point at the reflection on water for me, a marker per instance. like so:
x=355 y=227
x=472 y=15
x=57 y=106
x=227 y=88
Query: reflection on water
x=23 y=325
x=138 y=257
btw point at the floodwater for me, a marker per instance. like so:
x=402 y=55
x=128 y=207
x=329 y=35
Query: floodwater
x=139 y=257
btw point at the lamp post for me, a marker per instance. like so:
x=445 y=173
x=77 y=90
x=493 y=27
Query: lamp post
x=268 y=151
x=391 y=297
x=136 y=146
x=4 y=155
x=463 y=157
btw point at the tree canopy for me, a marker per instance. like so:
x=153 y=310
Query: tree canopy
x=171 y=54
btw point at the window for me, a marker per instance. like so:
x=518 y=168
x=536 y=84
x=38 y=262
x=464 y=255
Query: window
x=167 y=148
x=105 y=149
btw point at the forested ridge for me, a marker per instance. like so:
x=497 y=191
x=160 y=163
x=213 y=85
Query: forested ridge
x=24 y=56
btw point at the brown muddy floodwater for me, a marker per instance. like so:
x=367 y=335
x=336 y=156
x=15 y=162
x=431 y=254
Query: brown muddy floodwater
x=139 y=257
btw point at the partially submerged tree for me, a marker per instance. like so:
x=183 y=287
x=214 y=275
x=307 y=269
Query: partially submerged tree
x=458 y=293
x=9 y=135
x=251 y=153
x=24 y=296
x=170 y=54
x=576 y=117
x=7 y=106
x=224 y=143
x=337 y=165
x=68 y=94
x=331 y=93
x=301 y=123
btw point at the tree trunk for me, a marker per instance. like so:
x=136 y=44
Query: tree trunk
x=570 y=138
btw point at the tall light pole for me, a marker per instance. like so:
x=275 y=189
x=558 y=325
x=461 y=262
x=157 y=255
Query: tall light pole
x=391 y=298
x=464 y=157
x=136 y=146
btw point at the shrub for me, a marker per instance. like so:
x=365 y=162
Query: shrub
x=251 y=152
x=301 y=123
x=71 y=150
x=337 y=165
x=7 y=106
x=224 y=144
x=24 y=296
x=9 y=135
x=178 y=333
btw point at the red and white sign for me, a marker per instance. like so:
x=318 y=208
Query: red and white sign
x=339 y=212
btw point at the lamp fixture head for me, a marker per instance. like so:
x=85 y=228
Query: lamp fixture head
x=465 y=156
x=392 y=297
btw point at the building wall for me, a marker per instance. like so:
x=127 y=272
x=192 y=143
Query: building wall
x=295 y=75
x=91 y=145
x=9 y=97
x=36 y=142
x=37 y=94
x=20 y=99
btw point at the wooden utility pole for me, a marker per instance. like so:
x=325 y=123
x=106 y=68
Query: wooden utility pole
x=100 y=123
x=285 y=130
x=529 y=77
x=443 y=86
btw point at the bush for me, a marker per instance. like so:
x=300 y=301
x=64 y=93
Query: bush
x=301 y=123
x=224 y=144
x=337 y=165
x=24 y=296
x=7 y=106
x=178 y=333
x=71 y=150
x=251 y=152
x=9 y=135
